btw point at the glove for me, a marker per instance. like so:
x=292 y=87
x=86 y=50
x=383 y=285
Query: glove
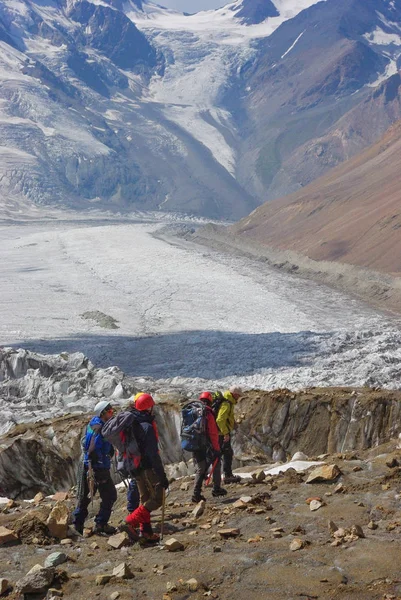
x=165 y=482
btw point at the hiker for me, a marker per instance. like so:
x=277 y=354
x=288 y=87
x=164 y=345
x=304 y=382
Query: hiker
x=225 y=423
x=209 y=455
x=96 y=461
x=150 y=476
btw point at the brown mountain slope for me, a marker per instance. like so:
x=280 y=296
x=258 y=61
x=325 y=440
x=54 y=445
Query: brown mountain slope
x=351 y=215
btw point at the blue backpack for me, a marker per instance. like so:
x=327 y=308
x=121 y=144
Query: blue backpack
x=193 y=428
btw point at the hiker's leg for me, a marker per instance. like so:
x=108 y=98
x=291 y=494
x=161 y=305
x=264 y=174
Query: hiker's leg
x=200 y=471
x=81 y=510
x=132 y=496
x=217 y=475
x=155 y=487
x=143 y=486
x=227 y=454
x=108 y=495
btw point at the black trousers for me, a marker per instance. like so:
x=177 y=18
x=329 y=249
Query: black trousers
x=108 y=495
x=202 y=464
x=227 y=456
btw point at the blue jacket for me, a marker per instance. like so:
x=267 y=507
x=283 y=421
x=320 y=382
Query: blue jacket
x=96 y=449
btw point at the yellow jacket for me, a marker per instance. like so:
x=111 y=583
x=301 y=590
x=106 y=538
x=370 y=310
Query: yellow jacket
x=225 y=418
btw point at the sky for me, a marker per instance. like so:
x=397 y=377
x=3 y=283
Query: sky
x=192 y=5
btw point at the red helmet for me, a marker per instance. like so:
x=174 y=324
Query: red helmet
x=144 y=402
x=206 y=396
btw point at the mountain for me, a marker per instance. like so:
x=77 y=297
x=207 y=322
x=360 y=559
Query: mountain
x=129 y=105
x=351 y=214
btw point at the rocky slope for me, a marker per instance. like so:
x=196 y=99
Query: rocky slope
x=350 y=215
x=276 y=537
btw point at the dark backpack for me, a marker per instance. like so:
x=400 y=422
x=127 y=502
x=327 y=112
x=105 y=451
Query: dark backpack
x=119 y=431
x=217 y=401
x=193 y=427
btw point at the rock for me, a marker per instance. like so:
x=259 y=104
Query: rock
x=309 y=500
x=199 y=509
x=357 y=531
x=94 y=546
x=296 y=544
x=324 y=473
x=36 y=581
x=66 y=542
x=60 y=496
x=38 y=498
x=102 y=579
x=173 y=545
x=332 y=527
x=114 y=595
x=255 y=540
x=119 y=540
x=57 y=521
x=340 y=533
x=185 y=486
x=35 y=569
x=392 y=462
x=56 y=558
x=246 y=499
x=122 y=571
x=7 y=535
x=372 y=525
x=239 y=504
x=259 y=476
x=192 y=585
x=4 y=585
x=315 y=505
x=339 y=489
x=216 y=548
x=226 y=533
x=53 y=593
x=300 y=456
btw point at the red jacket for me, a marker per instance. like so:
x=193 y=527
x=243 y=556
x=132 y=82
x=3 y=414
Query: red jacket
x=212 y=430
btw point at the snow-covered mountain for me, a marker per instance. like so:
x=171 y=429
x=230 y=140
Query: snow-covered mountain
x=126 y=104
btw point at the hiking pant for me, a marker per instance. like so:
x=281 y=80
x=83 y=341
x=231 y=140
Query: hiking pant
x=132 y=496
x=227 y=455
x=202 y=464
x=150 y=489
x=108 y=495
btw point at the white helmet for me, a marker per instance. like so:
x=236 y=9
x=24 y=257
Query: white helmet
x=100 y=407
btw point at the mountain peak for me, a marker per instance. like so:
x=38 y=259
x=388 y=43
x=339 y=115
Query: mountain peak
x=252 y=12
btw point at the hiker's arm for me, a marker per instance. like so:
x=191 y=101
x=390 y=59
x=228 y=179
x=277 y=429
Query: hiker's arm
x=222 y=418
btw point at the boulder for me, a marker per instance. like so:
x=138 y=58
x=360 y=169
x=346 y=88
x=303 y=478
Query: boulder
x=119 y=540
x=36 y=581
x=57 y=521
x=324 y=473
x=56 y=558
x=296 y=544
x=7 y=535
x=122 y=571
x=172 y=545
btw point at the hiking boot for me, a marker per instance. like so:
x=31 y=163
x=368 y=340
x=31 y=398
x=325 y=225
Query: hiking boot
x=104 y=529
x=130 y=530
x=219 y=492
x=232 y=479
x=75 y=530
x=146 y=535
x=197 y=498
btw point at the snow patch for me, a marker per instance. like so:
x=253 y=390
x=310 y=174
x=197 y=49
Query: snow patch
x=293 y=45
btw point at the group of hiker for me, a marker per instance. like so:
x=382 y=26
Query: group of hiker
x=130 y=438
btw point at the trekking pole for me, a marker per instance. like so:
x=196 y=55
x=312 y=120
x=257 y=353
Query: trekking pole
x=163 y=513
x=211 y=472
x=91 y=482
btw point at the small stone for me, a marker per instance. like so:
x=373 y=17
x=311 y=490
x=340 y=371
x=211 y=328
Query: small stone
x=246 y=499
x=296 y=544
x=392 y=462
x=256 y=539
x=332 y=527
x=372 y=525
x=206 y=526
x=114 y=595
x=66 y=542
x=56 y=558
x=185 y=486
x=339 y=489
x=171 y=587
x=239 y=504
x=199 y=509
x=357 y=531
x=336 y=543
x=119 y=540
x=216 y=520
x=7 y=535
x=357 y=468
x=216 y=548
x=60 y=496
x=309 y=500
x=192 y=585
x=226 y=533
x=173 y=545
x=94 y=546
x=38 y=498
x=102 y=579
x=259 y=476
x=4 y=585
x=122 y=571
x=315 y=505
x=385 y=487
x=53 y=593
x=340 y=533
